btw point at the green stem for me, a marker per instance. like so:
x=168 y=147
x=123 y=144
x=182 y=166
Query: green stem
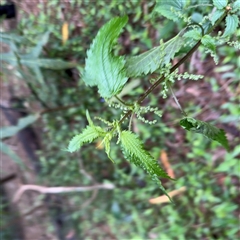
x=180 y=62
x=218 y=21
x=122 y=102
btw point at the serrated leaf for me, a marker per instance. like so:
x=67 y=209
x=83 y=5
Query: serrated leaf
x=107 y=139
x=167 y=8
x=209 y=43
x=134 y=152
x=220 y=4
x=231 y=25
x=216 y=15
x=206 y=129
x=88 y=135
x=144 y=63
x=193 y=34
x=150 y=61
x=236 y=5
x=102 y=68
x=171 y=47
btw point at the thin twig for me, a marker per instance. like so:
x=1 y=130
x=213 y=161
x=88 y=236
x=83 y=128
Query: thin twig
x=91 y=178
x=176 y=101
x=55 y=190
x=49 y=110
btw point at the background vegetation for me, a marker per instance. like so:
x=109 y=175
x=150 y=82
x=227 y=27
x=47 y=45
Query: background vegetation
x=208 y=207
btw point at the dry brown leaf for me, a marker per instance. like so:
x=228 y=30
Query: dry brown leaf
x=166 y=164
x=65 y=33
x=164 y=198
x=99 y=144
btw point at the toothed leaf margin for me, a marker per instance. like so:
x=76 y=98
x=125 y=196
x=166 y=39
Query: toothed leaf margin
x=102 y=68
x=134 y=152
x=206 y=129
x=88 y=135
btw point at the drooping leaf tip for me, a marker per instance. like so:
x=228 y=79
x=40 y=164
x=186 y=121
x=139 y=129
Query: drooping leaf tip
x=206 y=129
x=102 y=68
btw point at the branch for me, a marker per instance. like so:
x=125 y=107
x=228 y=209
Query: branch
x=54 y=190
x=49 y=110
x=173 y=68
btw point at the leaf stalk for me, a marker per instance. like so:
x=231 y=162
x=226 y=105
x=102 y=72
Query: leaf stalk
x=173 y=68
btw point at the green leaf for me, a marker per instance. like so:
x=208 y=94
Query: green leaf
x=10 y=131
x=230 y=165
x=144 y=63
x=102 y=68
x=8 y=151
x=193 y=34
x=107 y=139
x=171 y=47
x=209 y=43
x=36 y=51
x=167 y=8
x=153 y=59
x=129 y=87
x=133 y=151
x=220 y=4
x=206 y=129
x=8 y=37
x=88 y=135
x=54 y=64
x=216 y=15
x=236 y=5
x=231 y=25
x=89 y=119
x=30 y=61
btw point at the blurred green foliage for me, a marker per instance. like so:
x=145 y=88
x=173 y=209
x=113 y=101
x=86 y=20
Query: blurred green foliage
x=207 y=210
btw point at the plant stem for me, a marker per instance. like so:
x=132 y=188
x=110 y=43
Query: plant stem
x=48 y=110
x=218 y=21
x=180 y=62
x=176 y=101
x=151 y=88
x=120 y=100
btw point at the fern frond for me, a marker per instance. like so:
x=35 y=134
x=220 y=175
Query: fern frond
x=133 y=151
x=102 y=68
x=206 y=129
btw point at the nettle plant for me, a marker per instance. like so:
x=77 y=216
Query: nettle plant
x=110 y=73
